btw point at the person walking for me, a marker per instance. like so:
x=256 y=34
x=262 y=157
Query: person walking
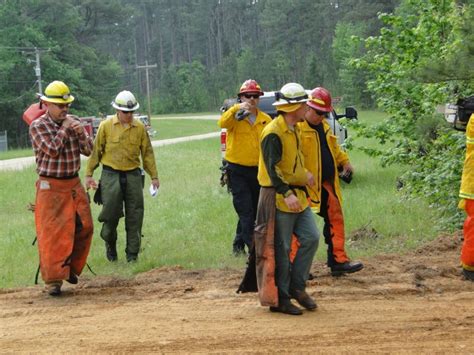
x=324 y=158
x=63 y=218
x=119 y=144
x=244 y=123
x=283 y=207
x=466 y=193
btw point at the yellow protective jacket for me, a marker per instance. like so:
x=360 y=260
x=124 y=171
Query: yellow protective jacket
x=243 y=137
x=312 y=158
x=122 y=147
x=281 y=163
x=467 y=182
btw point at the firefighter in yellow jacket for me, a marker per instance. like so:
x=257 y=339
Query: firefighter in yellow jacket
x=466 y=193
x=283 y=178
x=122 y=145
x=244 y=123
x=323 y=157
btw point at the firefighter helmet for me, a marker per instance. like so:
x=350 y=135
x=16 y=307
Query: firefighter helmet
x=125 y=101
x=290 y=94
x=250 y=85
x=320 y=99
x=57 y=93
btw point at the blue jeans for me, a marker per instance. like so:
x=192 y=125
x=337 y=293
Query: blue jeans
x=288 y=276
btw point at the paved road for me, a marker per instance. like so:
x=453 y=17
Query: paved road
x=22 y=163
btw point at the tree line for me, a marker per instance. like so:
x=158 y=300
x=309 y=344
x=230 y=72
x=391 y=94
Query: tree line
x=200 y=50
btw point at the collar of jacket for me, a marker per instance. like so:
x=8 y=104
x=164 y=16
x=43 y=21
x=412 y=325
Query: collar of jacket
x=306 y=127
x=115 y=120
x=283 y=126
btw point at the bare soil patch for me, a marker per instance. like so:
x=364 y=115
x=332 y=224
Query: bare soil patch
x=415 y=303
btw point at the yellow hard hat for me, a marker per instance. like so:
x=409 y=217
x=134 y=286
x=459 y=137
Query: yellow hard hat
x=289 y=107
x=58 y=93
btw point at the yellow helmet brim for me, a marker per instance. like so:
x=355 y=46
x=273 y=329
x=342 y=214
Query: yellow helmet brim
x=288 y=107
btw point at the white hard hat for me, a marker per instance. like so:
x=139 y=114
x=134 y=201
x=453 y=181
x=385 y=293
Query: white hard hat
x=291 y=93
x=125 y=101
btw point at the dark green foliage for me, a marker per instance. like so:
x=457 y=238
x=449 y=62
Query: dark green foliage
x=203 y=50
x=416 y=65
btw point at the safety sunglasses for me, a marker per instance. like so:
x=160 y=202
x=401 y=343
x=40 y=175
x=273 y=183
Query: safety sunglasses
x=62 y=106
x=126 y=112
x=321 y=113
x=252 y=96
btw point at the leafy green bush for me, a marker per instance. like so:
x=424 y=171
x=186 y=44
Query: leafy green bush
x=419 y=34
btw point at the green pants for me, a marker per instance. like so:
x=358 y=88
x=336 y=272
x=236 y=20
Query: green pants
x=122 y=192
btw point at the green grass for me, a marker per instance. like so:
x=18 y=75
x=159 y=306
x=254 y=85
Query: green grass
x=185 y=115
x=16 y=153
x=371 y=202
x=191 y=222
x=165 y=128
x=171 y=128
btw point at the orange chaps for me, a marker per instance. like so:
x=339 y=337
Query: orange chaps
x=64 y=227
x=334 y=235
x=264 y=248
x=467 y=251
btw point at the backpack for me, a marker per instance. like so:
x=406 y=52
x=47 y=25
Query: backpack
x=33 y=112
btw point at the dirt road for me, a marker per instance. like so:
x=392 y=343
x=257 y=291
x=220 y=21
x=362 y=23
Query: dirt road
x=415 y=303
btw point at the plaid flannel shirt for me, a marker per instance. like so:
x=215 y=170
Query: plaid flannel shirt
x=58 y=149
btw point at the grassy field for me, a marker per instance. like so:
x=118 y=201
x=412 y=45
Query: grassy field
x=191 y=222
x=165 y=128
x=171 y=128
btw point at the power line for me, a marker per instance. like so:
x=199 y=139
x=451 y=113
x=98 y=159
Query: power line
x=28 y=92
x=29 y=50
x=25 y=48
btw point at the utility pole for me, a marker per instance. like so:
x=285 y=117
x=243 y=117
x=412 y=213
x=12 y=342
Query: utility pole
x=38 y=70
x=146 y=67
x=37 y=63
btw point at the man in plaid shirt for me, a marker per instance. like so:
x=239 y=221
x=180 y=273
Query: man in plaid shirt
x=63 y=219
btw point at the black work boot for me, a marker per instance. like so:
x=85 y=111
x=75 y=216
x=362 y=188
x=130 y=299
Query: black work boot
x=54 y=288
x=131 y=258
x=348 y=267
x=111 y=251
x=468 y=275
x=285 y=306
x=304 y=299
x=73 y=279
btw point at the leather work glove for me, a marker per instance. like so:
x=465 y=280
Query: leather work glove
x=98 y=195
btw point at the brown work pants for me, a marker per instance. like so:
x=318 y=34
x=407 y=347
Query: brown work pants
x=64 y=227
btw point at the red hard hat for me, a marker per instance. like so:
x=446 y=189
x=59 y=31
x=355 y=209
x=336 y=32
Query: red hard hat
x=320 y=99
x=250 y=85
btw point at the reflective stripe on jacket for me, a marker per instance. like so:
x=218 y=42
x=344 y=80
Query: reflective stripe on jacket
x=467 y=183
x=243 y=137
x=312 y=159
x=290 y=167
